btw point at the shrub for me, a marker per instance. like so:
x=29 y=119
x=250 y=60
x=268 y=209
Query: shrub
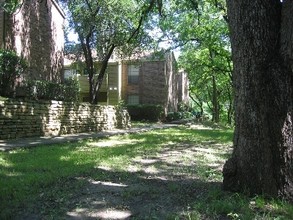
x=173 y=116
x=147 y=112
x=39 y=89
x=11 y=66
x=183 y=107
x=71 y=91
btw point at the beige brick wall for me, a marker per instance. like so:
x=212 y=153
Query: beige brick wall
x=20 y=119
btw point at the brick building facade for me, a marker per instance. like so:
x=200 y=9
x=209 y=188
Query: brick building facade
x=36 y=32
x=144 y=81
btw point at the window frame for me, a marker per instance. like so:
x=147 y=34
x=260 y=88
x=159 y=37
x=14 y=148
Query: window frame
x=133 y=74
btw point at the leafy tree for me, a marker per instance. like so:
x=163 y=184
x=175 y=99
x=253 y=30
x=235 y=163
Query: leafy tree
x=262 y=42
x=10 y=6
x=11 y=67
x=200 y=29
x=104 y=26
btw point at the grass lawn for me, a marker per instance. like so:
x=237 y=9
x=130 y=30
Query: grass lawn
x=171 y=173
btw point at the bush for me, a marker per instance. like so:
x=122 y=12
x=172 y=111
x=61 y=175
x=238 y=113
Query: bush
x=11 y=66
x=39 y=89
x=147 y=112
x=173 y=116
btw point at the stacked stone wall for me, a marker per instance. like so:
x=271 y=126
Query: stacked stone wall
x=19 y=119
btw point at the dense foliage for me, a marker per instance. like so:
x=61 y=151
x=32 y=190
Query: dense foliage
x=199 y=29
x=11 y=66
x=146 y=112
x=46 y=90
x=10 y=6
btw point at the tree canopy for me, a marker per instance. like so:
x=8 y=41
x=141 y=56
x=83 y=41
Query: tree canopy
x=10 y=6
x=107 y=26
x=200 y=30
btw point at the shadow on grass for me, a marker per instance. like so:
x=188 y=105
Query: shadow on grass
x=153 y=175
x=119 y=195
x=65 y=180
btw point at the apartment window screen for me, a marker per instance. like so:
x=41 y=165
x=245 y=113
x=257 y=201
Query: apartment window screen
x=133 y=74
x=133 y=100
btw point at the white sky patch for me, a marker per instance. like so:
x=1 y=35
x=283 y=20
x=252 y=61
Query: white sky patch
x=72 y=36
x=156 y=33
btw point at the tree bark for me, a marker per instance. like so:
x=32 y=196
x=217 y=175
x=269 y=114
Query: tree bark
x=101 y=76
x=262 y=45
x=215 y=101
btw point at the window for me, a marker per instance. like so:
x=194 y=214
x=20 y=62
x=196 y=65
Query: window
x=133 y=74
x=133 y=100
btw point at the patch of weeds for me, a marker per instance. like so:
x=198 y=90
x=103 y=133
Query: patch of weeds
x=271 y=208
x=188 y=214
x=218 y=203
x=173 y=187
x=237 y=206
x=131 y=193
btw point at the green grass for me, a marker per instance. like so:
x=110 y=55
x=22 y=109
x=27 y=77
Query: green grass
x=53 y=175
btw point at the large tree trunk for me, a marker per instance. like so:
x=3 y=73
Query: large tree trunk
x=262 y=45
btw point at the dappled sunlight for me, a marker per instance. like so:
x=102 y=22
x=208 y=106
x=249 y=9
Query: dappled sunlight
x=179 y=161
x=113 y=214
x=109 y=213
x=206 y=150
x=173 y=131
x=110 y=178
x=65 y=158
x=106 y=168
x=145 y=161
x=5 y=163
x=200 y=126
x=110 y=184
x=152 y=170
x=13 y=174
x=113 y=143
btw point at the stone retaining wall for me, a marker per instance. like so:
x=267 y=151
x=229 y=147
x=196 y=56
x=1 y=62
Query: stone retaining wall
x=20 y=119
